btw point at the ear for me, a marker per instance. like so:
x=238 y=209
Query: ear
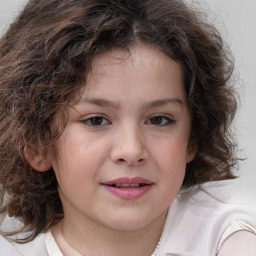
x=191 y=152
x=38 y=162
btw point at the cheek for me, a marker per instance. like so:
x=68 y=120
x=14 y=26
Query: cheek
x=171 y=167
x=171 y=157
x=77 y=158
x=172 y=151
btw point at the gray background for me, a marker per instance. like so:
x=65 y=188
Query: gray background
x=236 y=20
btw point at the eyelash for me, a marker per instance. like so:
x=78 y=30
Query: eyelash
x=100 y=121
x=89 y=121
x=168 y=120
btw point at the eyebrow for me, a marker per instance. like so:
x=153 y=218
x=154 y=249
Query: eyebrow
x=107 y=103
x=161 y=102
x=100 y=102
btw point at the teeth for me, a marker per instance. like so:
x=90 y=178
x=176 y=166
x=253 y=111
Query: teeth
x=123 y=185
x=135 y=185
x=128 y=185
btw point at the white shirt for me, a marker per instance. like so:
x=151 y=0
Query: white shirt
x=197 y=224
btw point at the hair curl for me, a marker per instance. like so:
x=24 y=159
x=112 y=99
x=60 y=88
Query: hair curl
x=44 y=57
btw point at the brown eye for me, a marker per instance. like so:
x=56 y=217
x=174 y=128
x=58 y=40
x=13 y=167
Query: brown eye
x=96 y=121
x=157 y=120
x=160 y=120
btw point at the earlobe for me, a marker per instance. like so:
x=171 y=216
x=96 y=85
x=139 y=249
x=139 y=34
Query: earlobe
x=38 y=162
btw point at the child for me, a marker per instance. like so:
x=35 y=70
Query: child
x=112 y=114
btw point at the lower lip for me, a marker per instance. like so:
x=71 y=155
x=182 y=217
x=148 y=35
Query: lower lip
x=128 y=193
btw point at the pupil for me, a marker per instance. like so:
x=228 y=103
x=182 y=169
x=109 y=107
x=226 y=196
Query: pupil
x=96 y=121
x=156 y=120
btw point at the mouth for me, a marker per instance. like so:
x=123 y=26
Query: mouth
x=126 y=182
x=128 y=188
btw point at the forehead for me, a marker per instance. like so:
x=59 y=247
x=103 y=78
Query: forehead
x=135 y=55
x=144 y=66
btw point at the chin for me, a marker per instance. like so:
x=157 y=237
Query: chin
x=131 y=221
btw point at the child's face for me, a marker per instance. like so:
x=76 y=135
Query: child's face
x=121 y=159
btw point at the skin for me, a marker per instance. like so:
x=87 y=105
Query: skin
x=132 y=121
x=239 y=244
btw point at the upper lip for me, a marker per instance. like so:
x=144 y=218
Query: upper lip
x=128 y=180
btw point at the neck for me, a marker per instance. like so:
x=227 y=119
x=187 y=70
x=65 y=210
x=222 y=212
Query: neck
x=96 y=240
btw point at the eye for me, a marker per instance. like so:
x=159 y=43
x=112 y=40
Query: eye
x=96 y=121
x=160 y=120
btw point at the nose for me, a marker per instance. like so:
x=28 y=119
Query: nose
x=129 y=147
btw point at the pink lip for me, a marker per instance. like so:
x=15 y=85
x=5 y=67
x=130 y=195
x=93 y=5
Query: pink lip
x=128 y=193
x=127 y=180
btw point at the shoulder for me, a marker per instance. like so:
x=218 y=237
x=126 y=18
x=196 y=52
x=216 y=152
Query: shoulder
x=35 y=247
x=9 y=247
x=242 y=243
x=197 y=219
x=238 y=228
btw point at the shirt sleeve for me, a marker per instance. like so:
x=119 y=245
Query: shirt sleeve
x=241 y=243
x=238 y=239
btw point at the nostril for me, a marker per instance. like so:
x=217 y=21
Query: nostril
x=121 y=160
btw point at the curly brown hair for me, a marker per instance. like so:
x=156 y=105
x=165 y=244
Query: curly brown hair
x=44 y=57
